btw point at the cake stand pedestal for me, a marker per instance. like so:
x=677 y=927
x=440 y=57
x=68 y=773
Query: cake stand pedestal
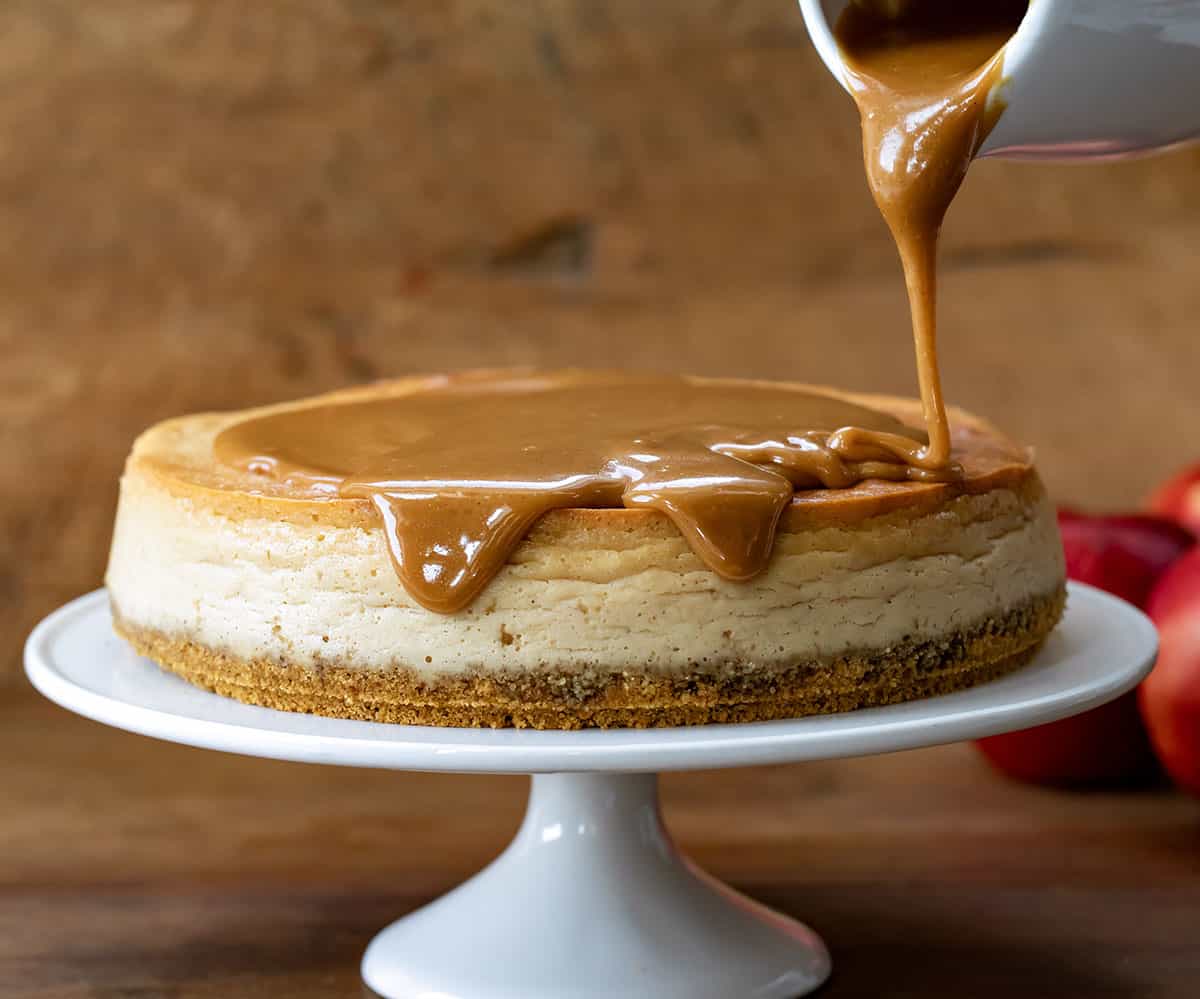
x=591 y=899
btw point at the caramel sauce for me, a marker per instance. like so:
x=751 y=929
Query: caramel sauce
x=460 y=471
x=924 y=75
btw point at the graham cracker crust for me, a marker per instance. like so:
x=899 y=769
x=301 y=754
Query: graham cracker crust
x=594 y=698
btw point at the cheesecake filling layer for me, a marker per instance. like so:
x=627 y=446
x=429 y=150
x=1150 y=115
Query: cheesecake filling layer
x=577 y=594
x=600 y=698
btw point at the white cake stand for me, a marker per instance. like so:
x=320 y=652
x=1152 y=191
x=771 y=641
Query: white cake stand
x=591 y=899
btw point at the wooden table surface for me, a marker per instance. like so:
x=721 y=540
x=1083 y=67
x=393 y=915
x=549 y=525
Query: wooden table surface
x=130 y=868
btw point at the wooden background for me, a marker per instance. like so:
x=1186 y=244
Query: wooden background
x=216 y=203
x=213 y=204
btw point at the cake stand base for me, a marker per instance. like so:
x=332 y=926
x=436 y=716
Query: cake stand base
x=592 y=899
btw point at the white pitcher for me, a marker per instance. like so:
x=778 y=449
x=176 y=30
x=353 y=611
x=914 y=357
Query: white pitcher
x=1081 y=78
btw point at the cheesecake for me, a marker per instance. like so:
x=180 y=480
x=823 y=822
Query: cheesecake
x=578 y=549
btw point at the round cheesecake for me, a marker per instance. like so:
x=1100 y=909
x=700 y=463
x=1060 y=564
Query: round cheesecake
x=283 y=593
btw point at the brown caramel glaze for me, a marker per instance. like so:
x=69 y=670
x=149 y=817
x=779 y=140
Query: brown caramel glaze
x=460 y=470
x=924 y=75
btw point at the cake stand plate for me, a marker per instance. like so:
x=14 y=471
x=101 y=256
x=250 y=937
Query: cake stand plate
x=591 y=899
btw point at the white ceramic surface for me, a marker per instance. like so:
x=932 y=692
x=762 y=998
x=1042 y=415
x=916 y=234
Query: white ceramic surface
x=591 y=900
x=1083 y=78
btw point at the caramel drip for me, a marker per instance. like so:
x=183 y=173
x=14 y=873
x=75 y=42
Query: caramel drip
x=923 y=73
x=461 y=470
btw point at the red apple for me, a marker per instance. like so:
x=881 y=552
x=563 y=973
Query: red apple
x=1106 y=746
x=1170 y=701
x=1170 y=695
x=1125 y=555
x=1179 y=498
x=1178 y=592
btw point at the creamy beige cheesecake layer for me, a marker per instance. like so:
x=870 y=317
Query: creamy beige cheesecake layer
x=603 y=697
x=602 y=586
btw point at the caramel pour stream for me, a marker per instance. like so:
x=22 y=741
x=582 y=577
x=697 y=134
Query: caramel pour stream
x=924 y=75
